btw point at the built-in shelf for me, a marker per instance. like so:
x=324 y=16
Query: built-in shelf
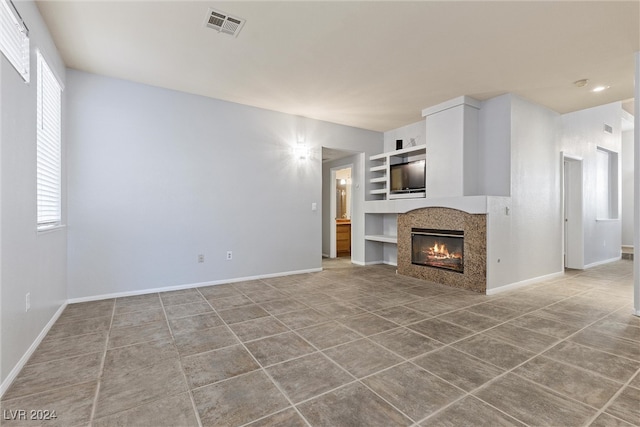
x=381 y=238
x=379 y=168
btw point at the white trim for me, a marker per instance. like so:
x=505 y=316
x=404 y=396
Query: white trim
x=189 y=286
x=524 y=283
x=325 y=255
x=627 y=246
x=606 y=261
x=27 y=355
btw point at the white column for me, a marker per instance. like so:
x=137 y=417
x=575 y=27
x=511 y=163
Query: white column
x=636 y=191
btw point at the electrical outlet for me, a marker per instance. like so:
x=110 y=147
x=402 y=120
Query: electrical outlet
x=229 y=255
x=201 y=258
x=27 y=301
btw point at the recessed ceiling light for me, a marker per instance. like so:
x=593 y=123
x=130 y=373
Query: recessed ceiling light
x=600 y=88
x=581 y=83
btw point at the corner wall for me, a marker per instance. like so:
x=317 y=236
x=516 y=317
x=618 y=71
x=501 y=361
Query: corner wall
x=582 y=134
x=157 y=177
x=31 y=262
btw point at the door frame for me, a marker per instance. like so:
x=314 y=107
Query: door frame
x=572 y=177
x=332 y=209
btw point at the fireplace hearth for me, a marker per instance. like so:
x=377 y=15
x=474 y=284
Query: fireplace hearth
x=438 y=248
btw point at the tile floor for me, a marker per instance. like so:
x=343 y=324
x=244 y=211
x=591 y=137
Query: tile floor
x=348 y=346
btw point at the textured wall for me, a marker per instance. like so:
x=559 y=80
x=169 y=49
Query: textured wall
x=475 y=246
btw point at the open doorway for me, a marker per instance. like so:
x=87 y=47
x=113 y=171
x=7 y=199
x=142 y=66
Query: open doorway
x=572 y=212
x=341 y=197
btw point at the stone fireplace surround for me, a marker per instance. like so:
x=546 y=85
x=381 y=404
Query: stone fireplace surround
x=475 y=246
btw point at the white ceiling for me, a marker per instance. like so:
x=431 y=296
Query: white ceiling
x=373 y=65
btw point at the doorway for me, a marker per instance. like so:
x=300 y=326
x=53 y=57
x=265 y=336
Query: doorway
x=573 y=229
x=341 y=211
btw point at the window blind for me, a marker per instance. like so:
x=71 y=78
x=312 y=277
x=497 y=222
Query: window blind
x=49 y=165
x=14 y=38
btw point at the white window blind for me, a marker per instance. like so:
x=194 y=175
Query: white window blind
x=14 y=38
x=49 y=165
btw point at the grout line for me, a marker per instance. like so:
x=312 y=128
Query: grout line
x=184 y=374
x=104 y=359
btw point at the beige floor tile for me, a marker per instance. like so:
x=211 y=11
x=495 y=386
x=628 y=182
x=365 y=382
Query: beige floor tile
x=606 y=364
x=362 y=357
x=189 y=309
x=241 y=314
x=137 y=303
x=402 y=315
x=167 y=412
x=308 y=376
x=302 y=318
x=328 y=334
x=181 y=297
x=606 y=420
x=524 y=338
x=213 y=366
x=458 y=368
x=533 y=404
x=59 y=373
x=53 y=349
x=278 y=348
x=79 y=327
x=626 y=406
x=496 y=352
x=286 y=418
x=70 y=406
x=86 y=310
x=471 y=412
x=238 y=400
x=579 y=384
x=617 y=346
x=137 y=334
x=444 y=332
x=195 y=323
x=192 y=342
x=470 y=320
x=368 y=324
x=414 y=391
x=406 y=343
x=337 y=409
x=544 y=326
x=123 y=360
x=258 y=328
x=119 y=393
x=126 y=320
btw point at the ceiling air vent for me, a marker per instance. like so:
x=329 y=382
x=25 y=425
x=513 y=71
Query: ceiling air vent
x=223 y=22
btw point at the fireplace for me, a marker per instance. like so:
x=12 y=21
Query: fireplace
x=438 y=248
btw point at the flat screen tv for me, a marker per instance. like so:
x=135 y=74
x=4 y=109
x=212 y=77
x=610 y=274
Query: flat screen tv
x=408 y=177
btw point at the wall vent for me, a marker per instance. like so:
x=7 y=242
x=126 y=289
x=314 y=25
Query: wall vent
x=223 y=22
x=608 y=129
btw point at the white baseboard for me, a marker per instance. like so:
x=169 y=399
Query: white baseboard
x=189 y=286
x=606 y=261
x=523 y=283
x=27 y=355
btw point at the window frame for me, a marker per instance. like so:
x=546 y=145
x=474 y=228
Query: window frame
x=14 y=39
x=48 y=147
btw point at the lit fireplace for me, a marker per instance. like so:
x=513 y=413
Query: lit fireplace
x=438 y=248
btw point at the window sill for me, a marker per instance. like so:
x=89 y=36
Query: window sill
x=51 y=229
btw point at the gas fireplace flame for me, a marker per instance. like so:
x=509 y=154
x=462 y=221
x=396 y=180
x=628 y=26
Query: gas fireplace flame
x=439 y=251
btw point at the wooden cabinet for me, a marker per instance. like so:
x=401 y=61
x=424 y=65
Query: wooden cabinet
x=343 y=238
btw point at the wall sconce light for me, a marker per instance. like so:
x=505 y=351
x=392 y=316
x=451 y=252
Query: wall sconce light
x=302 y=150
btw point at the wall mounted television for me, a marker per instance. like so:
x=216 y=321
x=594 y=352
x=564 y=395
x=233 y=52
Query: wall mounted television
x=407 y=178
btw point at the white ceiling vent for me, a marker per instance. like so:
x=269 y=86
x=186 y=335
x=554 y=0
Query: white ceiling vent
x=223 y=22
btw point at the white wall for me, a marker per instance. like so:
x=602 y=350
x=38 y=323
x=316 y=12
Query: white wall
x=494 y=147
x=31 y=262
x=157 y=177
x=627 y=188
x=583 y=132
x=414 y=131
